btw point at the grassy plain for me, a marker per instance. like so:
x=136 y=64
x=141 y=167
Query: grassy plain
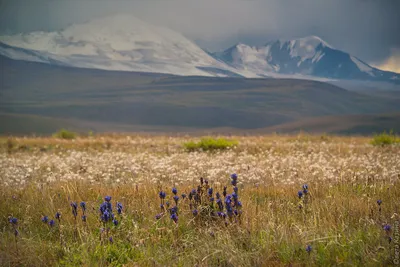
x=339 y=217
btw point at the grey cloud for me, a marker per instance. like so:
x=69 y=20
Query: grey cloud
x=366 y=28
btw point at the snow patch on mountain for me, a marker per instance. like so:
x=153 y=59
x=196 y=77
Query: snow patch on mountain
x=306 y=48
x=120 y=42
x=362 y=66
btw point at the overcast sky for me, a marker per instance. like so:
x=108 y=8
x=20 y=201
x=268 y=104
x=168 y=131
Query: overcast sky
x=368 y=29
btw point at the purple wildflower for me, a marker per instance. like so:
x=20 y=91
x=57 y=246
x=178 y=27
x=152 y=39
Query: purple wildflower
x=300 y=193
x=387 y=227
x=210 y=191
x=74 y=209
x=45 y=219
x=308 y=249
x=83 y=206
x=176 y=198
x=13 y=220
x=174 y=191
x=174 y=217
x=119 y=208
x=162 y=195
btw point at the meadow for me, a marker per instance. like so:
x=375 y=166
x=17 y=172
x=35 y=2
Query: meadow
x=142 y=200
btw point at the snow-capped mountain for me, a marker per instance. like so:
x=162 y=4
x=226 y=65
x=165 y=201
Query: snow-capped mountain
x=120 y=42
x=126 y=43
x=305 y=56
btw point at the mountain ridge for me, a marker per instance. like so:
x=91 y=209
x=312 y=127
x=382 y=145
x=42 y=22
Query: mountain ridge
x=308 y=56
x=126 y=43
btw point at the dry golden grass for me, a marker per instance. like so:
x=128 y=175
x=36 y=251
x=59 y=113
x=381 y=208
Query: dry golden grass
x=341 y=219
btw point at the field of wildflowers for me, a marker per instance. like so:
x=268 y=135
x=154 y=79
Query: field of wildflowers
x=146 y=201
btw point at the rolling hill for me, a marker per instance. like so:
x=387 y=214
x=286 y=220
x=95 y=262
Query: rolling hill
x=120 y=101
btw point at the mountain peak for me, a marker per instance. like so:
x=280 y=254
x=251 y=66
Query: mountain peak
x=309 y=42
x=124 y=42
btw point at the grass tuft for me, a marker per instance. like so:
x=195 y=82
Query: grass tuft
x=65 y=134
x=210 y=144
x=384 y=139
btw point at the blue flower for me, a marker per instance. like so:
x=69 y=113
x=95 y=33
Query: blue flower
x=224 y=192
x=220 y=205
x=308 y=249
x=103 y=207
x=106 y=216
x=158 y=216
x=387 y=227
x=74 y=208
x=111 y=239
x=45 y=219
x=83 y=206
x=13 y=220
x=300 y=193
x=83 y=218
x=167 y=204
x=174 y=191
x=305 y=189
x=195 y=212
x=210 y=191
x=119 y=208
x=58 y=215
x=183 y=196
x=217 y=195
x=107 y=198
x=162 y=194
x=379 y=202
x=235 y=189
x=174 y=217
x=173 y=210
x=234 y=176
x=115 y=222
x=51 y=223
x=239 y=204
x=176 y=198
x=206 y=181
x=211 y=199
x=234 y=196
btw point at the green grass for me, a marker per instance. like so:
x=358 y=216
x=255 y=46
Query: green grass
x=64 y=134
x=272 y=231
x=210 y=144
x=384 y=139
